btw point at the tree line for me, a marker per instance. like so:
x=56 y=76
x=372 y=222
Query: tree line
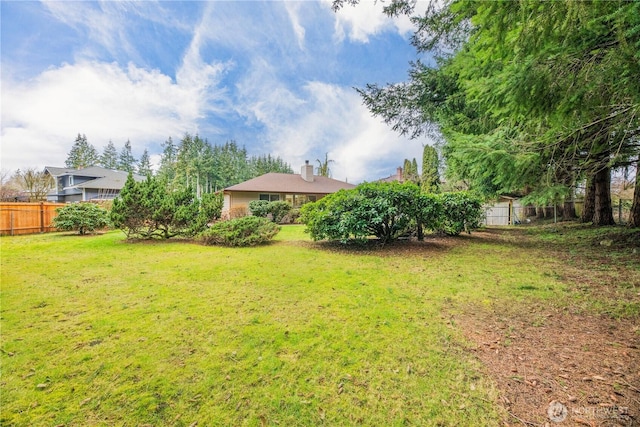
x=539 y=98
x=191 y=162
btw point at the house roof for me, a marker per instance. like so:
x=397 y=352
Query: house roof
x=90 y=172
x=55 y=171
x=103 y=178
x=113 y=182
x=290 y=183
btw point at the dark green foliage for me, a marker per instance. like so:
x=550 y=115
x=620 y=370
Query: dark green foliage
x=383 y=210
x=259 y=208
x=83 y=217
x=151 y=209
x=461 y=212
x=126 y=161
x=167 y=169
x=211 y=207
x=109 y=158
x=259 y=165
x=388 y=211
x=82 y=154
x=245 y=231
x=262 y=208
x=279 y=210
x=527 y=96
x=128 y=212
x=144 y=166
x=430 y=180
x=410 y=171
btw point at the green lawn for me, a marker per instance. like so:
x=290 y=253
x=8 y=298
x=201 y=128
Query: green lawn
x=98 y=331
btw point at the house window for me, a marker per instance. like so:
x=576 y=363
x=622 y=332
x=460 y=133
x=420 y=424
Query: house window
x=270 y=197
x=70 y=180
x=297 y=200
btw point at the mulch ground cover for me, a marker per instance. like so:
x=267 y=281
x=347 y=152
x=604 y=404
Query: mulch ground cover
x=559 y=364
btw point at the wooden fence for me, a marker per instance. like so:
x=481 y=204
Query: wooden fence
x=27 y=218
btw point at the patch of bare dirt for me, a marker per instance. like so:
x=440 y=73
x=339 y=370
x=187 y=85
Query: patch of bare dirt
x=589 y=365
x=563 y=366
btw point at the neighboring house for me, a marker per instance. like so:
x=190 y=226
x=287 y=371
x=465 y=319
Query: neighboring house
x=297 y=189
x=81 y=185
x=393 y=178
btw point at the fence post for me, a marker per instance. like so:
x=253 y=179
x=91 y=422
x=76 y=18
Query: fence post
x=11 y=222
x=42 y=217
x=619 y=211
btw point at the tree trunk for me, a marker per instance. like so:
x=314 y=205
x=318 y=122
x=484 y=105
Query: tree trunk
x=603 y=214
x=634 y=216
x=420 y=232
x=589 y=206
x=569 y=211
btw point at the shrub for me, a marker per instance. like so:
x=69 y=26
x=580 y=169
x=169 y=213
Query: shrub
x=150 y=209
x=246 y=231
x=259 y=208
x=262 y=208
x=83 y=217
x=461 y=212
x=384 y=210
x=278 y=211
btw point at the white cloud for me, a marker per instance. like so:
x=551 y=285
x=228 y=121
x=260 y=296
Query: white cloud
x=325 y=118
x=41 y=117
x=293 y=10
x=367 y=19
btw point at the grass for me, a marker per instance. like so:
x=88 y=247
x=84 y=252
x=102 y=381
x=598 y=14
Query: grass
x=98 y=331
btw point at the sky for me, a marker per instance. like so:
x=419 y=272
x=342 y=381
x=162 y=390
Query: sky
x=276 y=77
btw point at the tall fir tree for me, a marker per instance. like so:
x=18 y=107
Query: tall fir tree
x=82 y=154
x=167 y=169
x=126 y=161
x=430 y=176
x=260 y=165
x=144 y=165
x=109 y=158
x=410 y=171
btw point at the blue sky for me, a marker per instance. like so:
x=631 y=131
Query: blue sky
x=276 y=76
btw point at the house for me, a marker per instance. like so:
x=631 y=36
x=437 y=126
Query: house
x=398 y=176
x=297 y=189
x=81 y=185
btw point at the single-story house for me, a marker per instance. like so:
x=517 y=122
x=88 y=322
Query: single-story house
x=297 y=189
x=81 y=185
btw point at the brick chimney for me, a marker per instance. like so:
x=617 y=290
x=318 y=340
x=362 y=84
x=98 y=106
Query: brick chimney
x=307 y=171
x=399 y=174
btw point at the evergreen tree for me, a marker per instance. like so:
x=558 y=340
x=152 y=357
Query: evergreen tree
x=109 y=158
x=410 y=171
x=430 y=176
x=230 y=165
x=82 y=154
x=259 y=165
x=126 y=161
x=144 y=166
x=534 y=95
x=167 y=169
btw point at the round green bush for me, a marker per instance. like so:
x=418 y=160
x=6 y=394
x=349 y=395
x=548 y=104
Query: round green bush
x=246 y=231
